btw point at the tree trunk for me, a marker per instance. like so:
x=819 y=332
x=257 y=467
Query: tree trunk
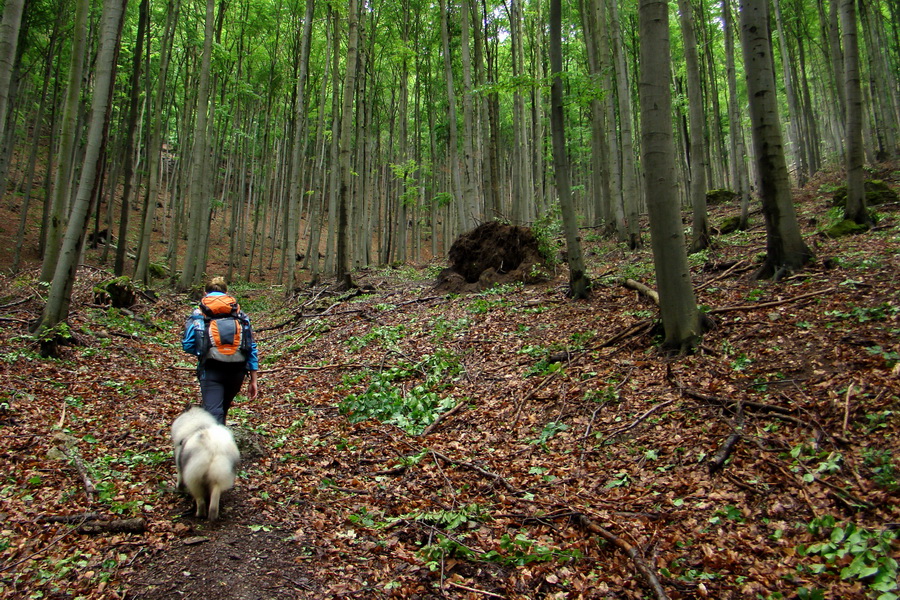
x=56 y=222
x=735 y=129
x=342 y=266
x=697 y=167
x=855 y=208
x=788 y=78
x=57 y=306
x=470 y=194
x=298 y=148
x=130 y=128
x=678 y=305
x=630 y=194
x=579 y=284
x=154 y=147
x=9 y=38
x=200 y=207
x=785 y=248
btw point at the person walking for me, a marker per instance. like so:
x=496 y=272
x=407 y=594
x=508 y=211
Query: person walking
x=219 y=334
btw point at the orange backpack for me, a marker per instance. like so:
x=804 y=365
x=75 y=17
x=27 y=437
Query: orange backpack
x=228 y=336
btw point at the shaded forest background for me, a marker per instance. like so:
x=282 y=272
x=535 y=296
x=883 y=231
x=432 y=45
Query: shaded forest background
x=409 y=442
x=233 y=112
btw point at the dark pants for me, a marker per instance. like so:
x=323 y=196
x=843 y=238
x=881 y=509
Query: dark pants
x=219 y=384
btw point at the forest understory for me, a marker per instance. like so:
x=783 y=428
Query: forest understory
x=509 y=443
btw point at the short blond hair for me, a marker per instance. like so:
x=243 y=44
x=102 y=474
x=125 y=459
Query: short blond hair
x=217 y=284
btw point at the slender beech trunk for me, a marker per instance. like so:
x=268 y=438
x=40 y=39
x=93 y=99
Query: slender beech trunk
x=785 y=249
x=199 y=202
x=9 y=37
x=630 y=194
x=298 y=148
x=579 y=284
x=855 y=208
x=154 y=146
x=57 y=307
x=739 y=166
x=56 y=222
x=677 y=303
x=342 y=266
x=697 y=148
x=131 y=128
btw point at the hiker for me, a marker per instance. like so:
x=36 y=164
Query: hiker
x=218 y=333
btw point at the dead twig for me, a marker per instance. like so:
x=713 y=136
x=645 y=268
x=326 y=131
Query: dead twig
x=443 y=416
x=727 y=272
x=636 y=329
x=637 y=421
x=770 y=304
x=474 y=590
x=534 y=391
x=725 y=451
x=497 y=478
x=640 y=564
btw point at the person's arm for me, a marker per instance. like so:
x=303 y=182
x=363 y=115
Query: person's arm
x=253 y=388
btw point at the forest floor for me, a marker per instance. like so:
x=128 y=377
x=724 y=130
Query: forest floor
x=571 y=459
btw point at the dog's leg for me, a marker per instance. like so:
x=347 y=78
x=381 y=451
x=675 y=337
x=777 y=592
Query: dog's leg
x=214 y=497
x=201 y=506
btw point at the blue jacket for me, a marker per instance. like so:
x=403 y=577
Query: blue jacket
x=195 y=321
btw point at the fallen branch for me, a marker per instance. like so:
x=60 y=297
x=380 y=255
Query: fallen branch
x=477 y=469
x=725 y=451
x=770 y=304
x=79 y=518
x=116 y=526
x=637 y=421
x=643 y=289
x=474 y=590
x=757 y=406
x=639 y=563
x=727 y=272
x=79 y=466
x=534 y=391
x=443 y=416
x=637 y=328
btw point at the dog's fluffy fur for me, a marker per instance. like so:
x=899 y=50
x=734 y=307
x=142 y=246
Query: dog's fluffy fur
x=205 y=458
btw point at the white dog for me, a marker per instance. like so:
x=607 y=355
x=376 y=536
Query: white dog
x=205 y=457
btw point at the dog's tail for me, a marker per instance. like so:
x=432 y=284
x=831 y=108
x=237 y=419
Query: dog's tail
x=220 y=477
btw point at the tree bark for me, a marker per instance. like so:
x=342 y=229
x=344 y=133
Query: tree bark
x=56 y=222
x=697 y=169
x=57 y=306
x=579 y=284
x=154 y=147
x=342 y=267
x=9 y=38
x=130 y=128
x=200 y=207
x=298 y=147
x=678 y=305
x=785 y=249
x=855 y=208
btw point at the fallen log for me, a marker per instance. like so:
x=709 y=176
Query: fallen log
x=116 y=526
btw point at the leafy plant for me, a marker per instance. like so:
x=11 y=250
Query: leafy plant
x=520 y=550
x=863 y=554
x=890 y=357
x=863 y=314
x=411 y=410
x=881 y=464
x=550 y=429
